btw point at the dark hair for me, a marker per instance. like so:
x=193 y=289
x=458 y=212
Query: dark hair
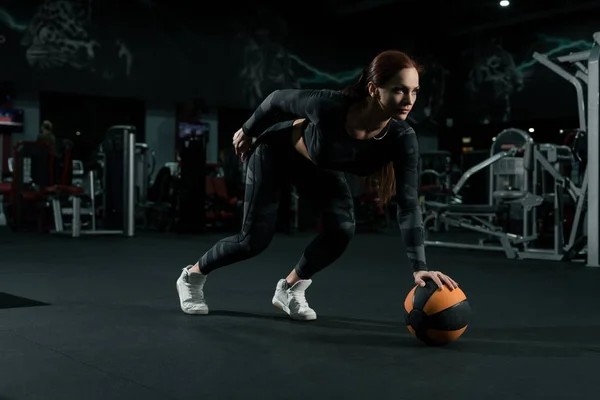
x=383 y=68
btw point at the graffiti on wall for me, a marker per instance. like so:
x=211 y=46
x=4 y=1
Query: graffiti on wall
x=266 y=63
x=60 y=34
x=167 y=55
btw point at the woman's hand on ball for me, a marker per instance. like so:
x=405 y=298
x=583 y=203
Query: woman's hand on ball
x=439 y=278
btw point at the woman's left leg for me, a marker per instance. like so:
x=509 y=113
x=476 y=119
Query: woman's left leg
x=335 y=205
x=330 y=193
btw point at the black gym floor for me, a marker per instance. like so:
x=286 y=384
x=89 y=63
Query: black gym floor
x=98 y=318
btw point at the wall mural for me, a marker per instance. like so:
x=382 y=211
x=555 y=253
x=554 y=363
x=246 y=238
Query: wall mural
x=74 y=44
x=497 y=79
x=492 y=79
x=60 y=35
x=266 y=65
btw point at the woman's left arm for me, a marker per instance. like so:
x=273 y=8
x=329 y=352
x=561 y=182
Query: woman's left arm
x=410 y=219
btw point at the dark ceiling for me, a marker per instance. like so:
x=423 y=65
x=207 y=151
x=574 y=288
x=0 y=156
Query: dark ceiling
x=451 y=17
x=355 y=20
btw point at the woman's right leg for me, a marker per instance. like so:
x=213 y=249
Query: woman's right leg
x=261 y=204
x=258 y=227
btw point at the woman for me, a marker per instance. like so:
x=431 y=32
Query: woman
x=360 y=130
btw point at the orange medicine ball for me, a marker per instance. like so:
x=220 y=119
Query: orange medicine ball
x=436 y=317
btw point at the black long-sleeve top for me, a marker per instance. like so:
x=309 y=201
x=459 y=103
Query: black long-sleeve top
x=331 y=147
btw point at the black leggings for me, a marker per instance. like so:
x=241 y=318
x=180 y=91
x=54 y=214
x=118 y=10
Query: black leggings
x=272 y=162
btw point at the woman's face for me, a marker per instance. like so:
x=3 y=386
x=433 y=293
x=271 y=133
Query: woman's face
x=399 y=94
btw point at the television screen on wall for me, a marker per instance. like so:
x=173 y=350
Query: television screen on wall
x=198 y=129
x=11 y=120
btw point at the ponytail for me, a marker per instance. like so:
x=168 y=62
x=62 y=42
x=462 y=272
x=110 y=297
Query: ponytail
x=384 y=181
x=357 y=90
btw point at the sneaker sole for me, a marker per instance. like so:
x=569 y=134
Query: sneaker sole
x=278 y=304
x=189 y=312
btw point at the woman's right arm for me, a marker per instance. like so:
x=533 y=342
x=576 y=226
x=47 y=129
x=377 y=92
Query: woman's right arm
x=285 y=104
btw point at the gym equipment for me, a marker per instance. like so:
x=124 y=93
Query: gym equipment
x=190 y=214
x=435 y=175
x=537 y=180
x=145 y=163
x=556 y=190
x=507 y=180
x=507 y=177
x=11 y=121
x=222 y=210
x=117 y=208
x=588 y=121
x=4 y=187
x=474 y=217
x=435 y=168
x=436 y=317
x=38 y=176
x=472 y=193
x=157 y=210
x=539 y=175
x=32 y=181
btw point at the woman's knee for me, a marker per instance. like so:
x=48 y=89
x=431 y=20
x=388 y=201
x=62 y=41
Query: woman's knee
x=256 y=241
x=346 y=231
x=340 y=232
x=339 y=222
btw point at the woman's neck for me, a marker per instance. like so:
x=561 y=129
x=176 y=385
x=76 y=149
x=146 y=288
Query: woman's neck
x=366 y=118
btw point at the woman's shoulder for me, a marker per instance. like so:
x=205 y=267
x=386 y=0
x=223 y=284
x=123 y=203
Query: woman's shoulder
x=401 y=128
x=330 y=96
x=328 y=102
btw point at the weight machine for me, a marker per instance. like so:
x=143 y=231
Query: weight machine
x=479 y=217
x=587 y=72
x=538 y=163
x=118 y=198
x=436 y=172
x=519 y=173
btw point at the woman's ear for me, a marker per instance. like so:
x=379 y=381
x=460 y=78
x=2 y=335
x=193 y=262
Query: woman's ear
x=372 y=89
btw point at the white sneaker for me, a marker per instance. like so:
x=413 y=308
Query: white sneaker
x=190 y=287
x=292 y=300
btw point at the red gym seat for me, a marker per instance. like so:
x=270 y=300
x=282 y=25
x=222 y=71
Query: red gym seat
x=38 y=181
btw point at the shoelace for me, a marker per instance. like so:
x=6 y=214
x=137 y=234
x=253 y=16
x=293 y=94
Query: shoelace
x=300 y=298
x=196 y=293
x=197 y=297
